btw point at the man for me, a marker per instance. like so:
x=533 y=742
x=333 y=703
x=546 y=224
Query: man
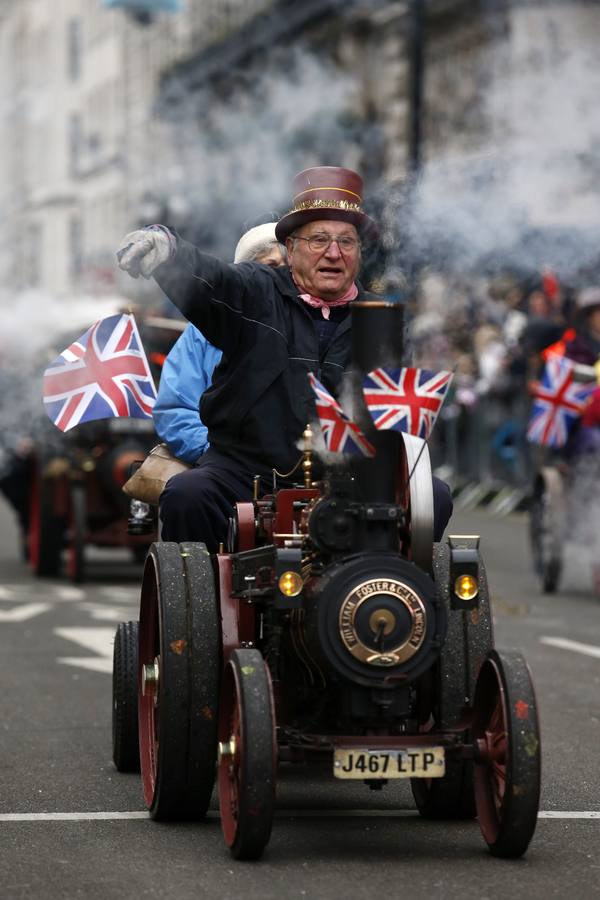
x=584 y=345
x=189 y=367
x=274 y=326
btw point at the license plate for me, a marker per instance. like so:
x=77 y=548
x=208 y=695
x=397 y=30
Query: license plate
x=416 y=762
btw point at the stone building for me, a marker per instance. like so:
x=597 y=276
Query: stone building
x=202 y=117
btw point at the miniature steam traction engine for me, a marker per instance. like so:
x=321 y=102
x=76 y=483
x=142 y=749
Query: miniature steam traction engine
x=331 y=625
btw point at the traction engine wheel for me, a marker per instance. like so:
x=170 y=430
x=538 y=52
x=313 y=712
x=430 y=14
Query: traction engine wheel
x=247 y=754
x=507 y=754
x=45 y=530
x=126 y=751
x=78 y=530
x=179 y=672
x=469 y=639
x=547 y=509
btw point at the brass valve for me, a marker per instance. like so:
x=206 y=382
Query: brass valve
x=307 y=435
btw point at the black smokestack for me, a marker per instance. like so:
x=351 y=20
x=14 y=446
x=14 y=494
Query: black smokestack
x=377 y=340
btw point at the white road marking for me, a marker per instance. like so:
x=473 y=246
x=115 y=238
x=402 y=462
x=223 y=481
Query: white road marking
x=99 y=640
x=22 y=593
x=121 y=594
x=92 y=663
x=24 y=612
x=576 y=646
x=280 y=814
x=69 y=593
x=104 y=613
x=554 y=814
x=71 y=817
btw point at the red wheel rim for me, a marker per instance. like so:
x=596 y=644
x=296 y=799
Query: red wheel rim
x=33 y=532
x=230 y=730
x=247 y=755
x=493 y=749
x=148 y=703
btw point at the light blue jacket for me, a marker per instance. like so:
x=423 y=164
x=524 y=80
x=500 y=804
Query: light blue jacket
x=187 y=372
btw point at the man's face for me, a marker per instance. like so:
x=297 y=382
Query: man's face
x=594 y=320
x=326 y=271
x=272 y=257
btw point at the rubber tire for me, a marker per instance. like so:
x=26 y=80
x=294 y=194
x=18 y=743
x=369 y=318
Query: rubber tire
x=247 y=696
x=45 y=532
x=126 y=750
x=508 y=822
x=467 y=645
x=543 y=518
x=178 y=589
x=76 y=548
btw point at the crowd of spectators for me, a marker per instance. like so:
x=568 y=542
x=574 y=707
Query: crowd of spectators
x=492 y=333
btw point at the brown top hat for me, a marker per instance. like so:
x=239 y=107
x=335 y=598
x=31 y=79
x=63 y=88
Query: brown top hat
x=327 y=192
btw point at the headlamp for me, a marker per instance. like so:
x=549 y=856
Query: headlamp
x=290 y=584
x=466 y=587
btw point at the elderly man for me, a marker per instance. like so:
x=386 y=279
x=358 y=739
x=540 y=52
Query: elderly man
x=274 y=326
x=189 y=367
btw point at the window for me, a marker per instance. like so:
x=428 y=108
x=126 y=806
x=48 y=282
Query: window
x=33 y=255
x=74 y=143
x=76 y=246
x=74 y=49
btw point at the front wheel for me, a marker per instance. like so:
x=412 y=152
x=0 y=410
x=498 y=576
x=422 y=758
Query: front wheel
x=507 y=764
x=247 y=755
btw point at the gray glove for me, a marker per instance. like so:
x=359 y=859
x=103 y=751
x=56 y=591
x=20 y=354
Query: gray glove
x=142 y=251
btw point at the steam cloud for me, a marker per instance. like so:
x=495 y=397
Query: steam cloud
x=228 y=161
x=527 y=192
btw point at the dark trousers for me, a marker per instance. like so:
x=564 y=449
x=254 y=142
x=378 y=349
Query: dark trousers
x=197 y=505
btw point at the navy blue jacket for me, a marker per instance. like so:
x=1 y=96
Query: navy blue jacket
x=260 y=399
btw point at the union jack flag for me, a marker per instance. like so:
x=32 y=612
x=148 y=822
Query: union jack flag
x=103 y=374
x=340 y=433
x=406 y=400
x=558 y=401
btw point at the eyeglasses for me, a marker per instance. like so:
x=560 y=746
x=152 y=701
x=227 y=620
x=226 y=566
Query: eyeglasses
x=319 y=242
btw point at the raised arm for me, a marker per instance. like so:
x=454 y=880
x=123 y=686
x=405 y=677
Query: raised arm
x=220 y=299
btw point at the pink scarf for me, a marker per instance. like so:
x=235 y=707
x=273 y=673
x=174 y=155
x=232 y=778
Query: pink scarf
x=326 y=305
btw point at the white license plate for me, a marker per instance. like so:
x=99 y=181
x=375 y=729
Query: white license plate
x=414 y=762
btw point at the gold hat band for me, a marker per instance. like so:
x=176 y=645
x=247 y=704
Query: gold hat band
x=340 y=190
x=326 y=204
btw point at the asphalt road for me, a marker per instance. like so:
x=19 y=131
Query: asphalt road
x=330 y=840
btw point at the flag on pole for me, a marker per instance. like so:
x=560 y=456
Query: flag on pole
x=103 y=374
x=407 y=400
x=558 y=401
x=341 y=434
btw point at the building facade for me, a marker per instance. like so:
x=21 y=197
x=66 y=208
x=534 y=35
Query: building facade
x=201 y=118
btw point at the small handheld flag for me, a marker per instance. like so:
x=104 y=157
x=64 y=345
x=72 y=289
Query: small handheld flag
x=558 y=401
x=341 y=434
x=405 y=399
x=103 y=374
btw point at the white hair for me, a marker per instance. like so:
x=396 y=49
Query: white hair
x=255 y=242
